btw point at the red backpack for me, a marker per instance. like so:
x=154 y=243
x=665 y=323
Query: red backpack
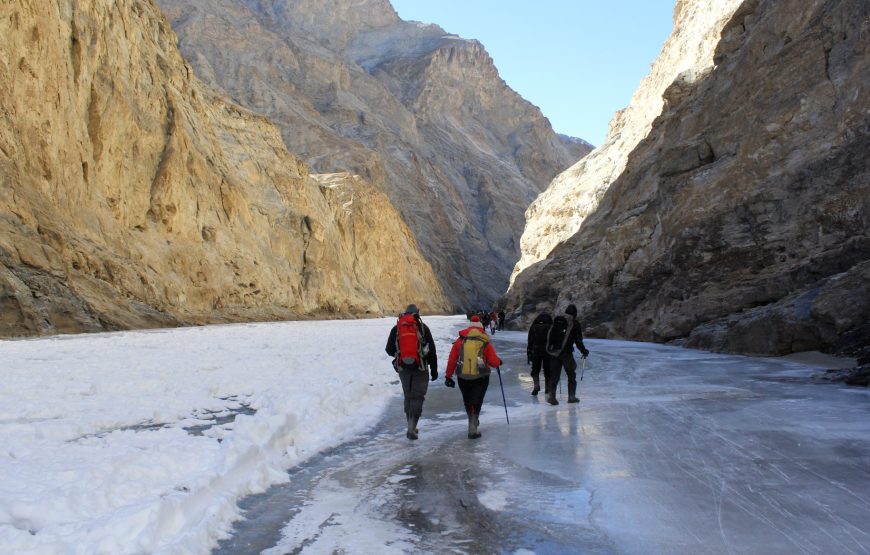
x=409 y=341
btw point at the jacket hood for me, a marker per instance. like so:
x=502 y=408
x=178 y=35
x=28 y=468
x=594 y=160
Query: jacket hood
x=473 y=331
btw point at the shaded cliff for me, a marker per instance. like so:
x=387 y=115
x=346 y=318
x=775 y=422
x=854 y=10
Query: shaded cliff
x=420 y=113
x=740 y=223
x=134 y=196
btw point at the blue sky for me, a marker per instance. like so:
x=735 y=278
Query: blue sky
x=578 y=60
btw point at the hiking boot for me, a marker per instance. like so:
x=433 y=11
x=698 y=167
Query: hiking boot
x=552 y=399
x=573 y=400
x=412 y=427
x=473 y=423
x=536 y=390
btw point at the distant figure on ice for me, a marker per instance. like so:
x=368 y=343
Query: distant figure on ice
x=493 y=321
x=563 y=335
x=484 y=319
x=501 y=317
x=536 y=351
x=471 y=358
x=413 y=349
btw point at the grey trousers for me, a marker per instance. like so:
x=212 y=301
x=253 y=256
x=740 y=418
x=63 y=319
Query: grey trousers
x=415 y=383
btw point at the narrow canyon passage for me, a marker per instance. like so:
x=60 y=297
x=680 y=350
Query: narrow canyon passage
x=669 y=451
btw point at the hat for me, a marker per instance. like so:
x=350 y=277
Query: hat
x=571 y=309
x=412 y=309
x=475 y=318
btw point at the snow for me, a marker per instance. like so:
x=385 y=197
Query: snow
x=144 y=441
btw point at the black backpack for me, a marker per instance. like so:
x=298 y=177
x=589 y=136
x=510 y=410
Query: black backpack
x=539 y=331
x=558 y=335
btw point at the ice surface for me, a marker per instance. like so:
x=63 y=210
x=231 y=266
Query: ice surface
x=155 y=442
x=670 y=451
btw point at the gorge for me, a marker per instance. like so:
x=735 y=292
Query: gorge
x=173 y=162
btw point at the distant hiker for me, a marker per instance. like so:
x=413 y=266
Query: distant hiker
x=501 y=317
x=563 y=335
x=413 y=349
x=493 y=321
x=471 y=359
x=536 y=351
x=484 y=319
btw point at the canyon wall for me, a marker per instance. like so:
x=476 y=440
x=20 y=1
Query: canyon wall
x=422 y=114
x=740 y=222
x=135 y=196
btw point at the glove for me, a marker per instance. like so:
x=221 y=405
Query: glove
x=434 y=374
x=449 y=382
x=585 y=353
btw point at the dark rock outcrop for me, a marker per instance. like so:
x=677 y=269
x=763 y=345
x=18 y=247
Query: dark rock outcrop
x=742 y=221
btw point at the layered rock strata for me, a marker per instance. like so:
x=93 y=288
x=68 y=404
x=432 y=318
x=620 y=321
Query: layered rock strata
x=741 y=222
x=420 y=113
x=134 y=196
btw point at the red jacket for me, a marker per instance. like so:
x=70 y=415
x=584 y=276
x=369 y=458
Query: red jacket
x=489 y=356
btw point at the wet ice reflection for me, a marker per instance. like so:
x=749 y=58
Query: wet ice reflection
x=669 y=451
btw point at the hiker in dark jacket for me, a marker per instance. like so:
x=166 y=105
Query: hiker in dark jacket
x=563 y=356
x=412 y=372
x=536 y=351
x=501 y=317
x=471 y=358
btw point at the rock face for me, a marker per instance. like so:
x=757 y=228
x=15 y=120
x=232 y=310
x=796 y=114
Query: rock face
x=421 y=114
x=740 y=223
x=134 y=196
x=687 y=55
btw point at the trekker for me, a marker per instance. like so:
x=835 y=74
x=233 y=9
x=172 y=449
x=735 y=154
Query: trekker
x=471 y=358
x=493 y=321
x=413 y=349
x=563 y=335
x=501 y=317
x=536 y=351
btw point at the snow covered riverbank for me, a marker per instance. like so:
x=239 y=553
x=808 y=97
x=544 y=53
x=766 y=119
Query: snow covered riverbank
x=142 y=442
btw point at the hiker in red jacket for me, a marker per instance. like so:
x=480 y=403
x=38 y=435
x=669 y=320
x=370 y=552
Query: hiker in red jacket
x=413 y=350
x=471 y=359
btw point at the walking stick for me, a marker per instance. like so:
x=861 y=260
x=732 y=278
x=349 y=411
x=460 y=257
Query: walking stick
x=583 y=370
x=498 y=370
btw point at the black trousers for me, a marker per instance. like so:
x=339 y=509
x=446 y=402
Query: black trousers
x=540 y=362
x=415 y=383
x=556 y=364
x=473 y=392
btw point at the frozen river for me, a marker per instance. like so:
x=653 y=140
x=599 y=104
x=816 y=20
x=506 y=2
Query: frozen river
x=670 y=451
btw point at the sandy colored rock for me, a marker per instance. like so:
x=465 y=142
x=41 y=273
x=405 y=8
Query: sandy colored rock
x=134 y=196
x=422 y=114
x=742 y=222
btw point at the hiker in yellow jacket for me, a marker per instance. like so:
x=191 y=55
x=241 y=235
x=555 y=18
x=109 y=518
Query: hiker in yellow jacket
x=471 y=359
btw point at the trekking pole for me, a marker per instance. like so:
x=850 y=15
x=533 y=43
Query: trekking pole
x=583 y=369
x=498 y=370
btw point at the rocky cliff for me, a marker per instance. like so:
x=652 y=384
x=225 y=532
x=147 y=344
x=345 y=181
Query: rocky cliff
x=134 y=196
x=420 y=113
x=740 y=222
